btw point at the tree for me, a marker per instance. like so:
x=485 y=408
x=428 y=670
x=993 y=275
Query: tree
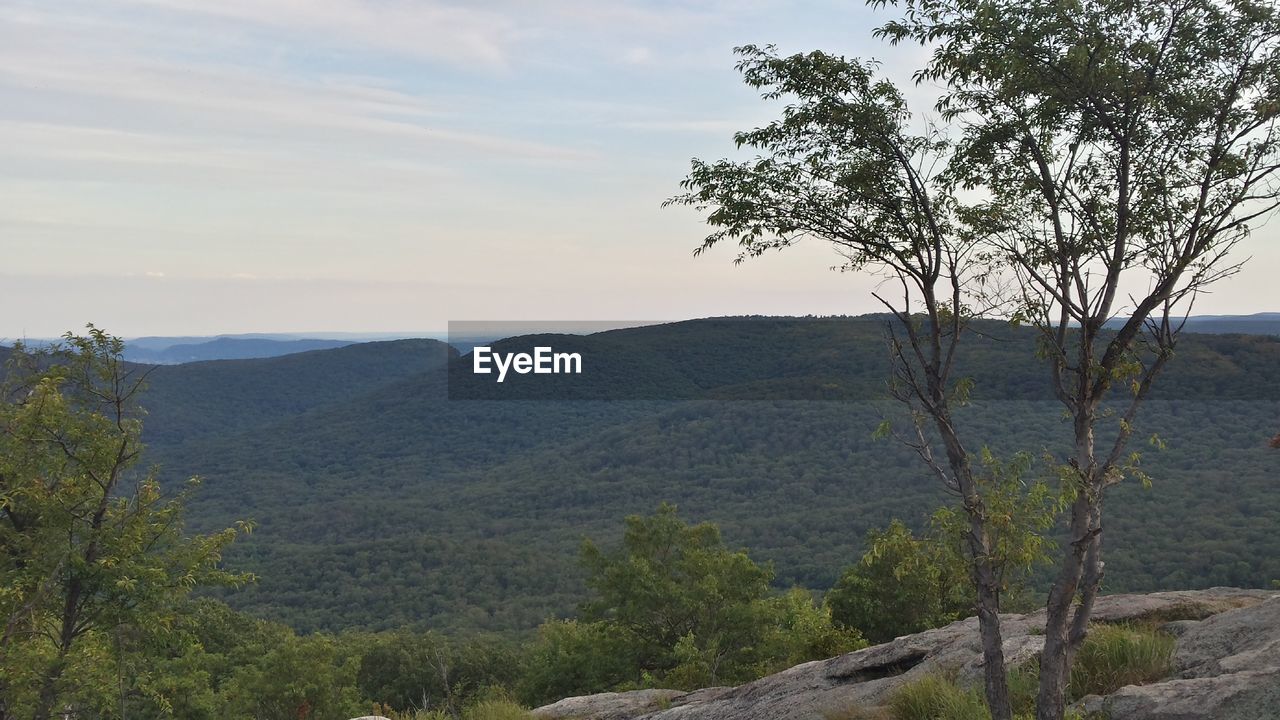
x=305 y=677
x=672 y=581
x=571 y=657
x=1125 y=149
x=1116 y=152
x=844 y=166
x=410 y=671
x=91 y=554
x=903 y=585
x=685 y=612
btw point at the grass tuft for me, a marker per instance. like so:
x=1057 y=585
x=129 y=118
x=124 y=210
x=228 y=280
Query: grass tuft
x=495 y=709
x=934 y=697
x=1117 y=655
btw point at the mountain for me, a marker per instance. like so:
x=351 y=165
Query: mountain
x=203 y=400
x=383 y=497
x=169 y=350
x=1258 y=324
x=225 y=348
x=1267 y=323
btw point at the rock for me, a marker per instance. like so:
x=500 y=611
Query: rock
x=609 y=706
x=370 y=717
x=1247 y=695
x=1234 y=641
x=1178 y=628
x=1169 y=606
x=1242 y=631
x=1228 y=667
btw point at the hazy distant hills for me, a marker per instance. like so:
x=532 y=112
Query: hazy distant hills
x=1257 y=324
x=160 y=350
x=226 y=349
x=380 y=501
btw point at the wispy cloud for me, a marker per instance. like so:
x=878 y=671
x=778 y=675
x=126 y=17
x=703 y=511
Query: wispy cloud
x=724 y=128
x=468 y=36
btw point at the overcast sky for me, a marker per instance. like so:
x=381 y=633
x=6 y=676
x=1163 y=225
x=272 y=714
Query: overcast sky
x=208 y=166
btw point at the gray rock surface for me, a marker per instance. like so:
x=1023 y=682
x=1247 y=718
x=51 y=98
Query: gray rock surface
x=609 y=706
x=1247 y=695
x=1228 y=668
x=1227 y=663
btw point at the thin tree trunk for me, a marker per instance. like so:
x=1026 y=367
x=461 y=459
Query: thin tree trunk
x=985 y=576
x=1090 y=582
x=1055 y=659
x=995 y=679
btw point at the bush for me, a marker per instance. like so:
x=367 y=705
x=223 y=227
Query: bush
x=574 y=658
x=904 y=584
x=1117 y=655
x=408 y=670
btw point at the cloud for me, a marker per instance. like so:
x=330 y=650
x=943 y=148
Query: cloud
x=638 y=56
x=718 y=127
x=223 y=98
x=461 y=35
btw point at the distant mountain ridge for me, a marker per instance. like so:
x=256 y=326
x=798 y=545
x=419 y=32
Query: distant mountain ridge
x=226 y=349
x=1265 y=323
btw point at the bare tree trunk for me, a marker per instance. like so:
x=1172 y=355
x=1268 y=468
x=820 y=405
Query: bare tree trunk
x=1055 y=659
x=1090 y=582
x=995 y=680
x=1080 y=573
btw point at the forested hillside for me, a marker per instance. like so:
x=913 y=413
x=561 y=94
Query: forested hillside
x=380 y=502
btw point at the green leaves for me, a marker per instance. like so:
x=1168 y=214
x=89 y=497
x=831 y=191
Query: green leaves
x=903 y=584
x=669 y=580
x=840 y=165
x=685 y=611
x=88 y=544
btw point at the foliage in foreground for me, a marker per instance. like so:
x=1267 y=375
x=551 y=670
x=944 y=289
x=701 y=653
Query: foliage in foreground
x=93 y=558
x=674 y=607
x=904 y=584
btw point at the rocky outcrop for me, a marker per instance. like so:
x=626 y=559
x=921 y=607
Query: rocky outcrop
x=610 y=706
x=1228 y=668
x=1228 y=647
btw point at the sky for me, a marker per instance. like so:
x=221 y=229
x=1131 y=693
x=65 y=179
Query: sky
x=220 y=166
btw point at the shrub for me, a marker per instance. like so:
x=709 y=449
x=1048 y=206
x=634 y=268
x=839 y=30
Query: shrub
x=903 y=584
x=1117 y=655
x=574 y=658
